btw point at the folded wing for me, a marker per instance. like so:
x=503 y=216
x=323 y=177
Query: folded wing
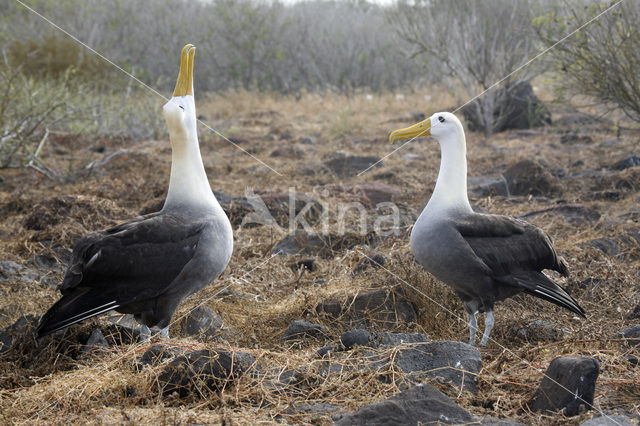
x=126 y=264
x=516 y=253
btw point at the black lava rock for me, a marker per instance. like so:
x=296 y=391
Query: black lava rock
x=608 y=246
x=573 y=213
x=345 y=164
x=628 y=162
x=383 y=307
x=530 y=178
x=395 y=339
x=325 y=350
x=355 y=337
x=201 y=321
x=322 y=245
x=575 y=139
x=526 y=110
x=373 y=260
x=632 y=334
x=455 y=362
x=489 y=186
x=96 y=342
x=301 y=329
x=20 y=329
x=202 y=372
x=308 y=264
x=569 y=383
x=538 y=331
x=635 y=314
x=122 y=330
x=422 y=404
x=156 y=354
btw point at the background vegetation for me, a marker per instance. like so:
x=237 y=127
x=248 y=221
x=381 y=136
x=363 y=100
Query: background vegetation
x=460 y=46
x=293 y=84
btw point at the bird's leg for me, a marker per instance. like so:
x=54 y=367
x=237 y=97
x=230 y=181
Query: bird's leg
x=473 y=328
x=488 y=325
x=145 y=333
x=165 y=332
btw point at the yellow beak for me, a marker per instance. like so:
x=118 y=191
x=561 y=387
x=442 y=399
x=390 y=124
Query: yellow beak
x=423 y=128
x=184 y=86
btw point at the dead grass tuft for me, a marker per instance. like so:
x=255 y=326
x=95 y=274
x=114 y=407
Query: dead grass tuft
x=258 y=296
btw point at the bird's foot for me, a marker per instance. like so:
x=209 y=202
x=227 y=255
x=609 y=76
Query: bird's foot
x=164 y=333
x=145 y=333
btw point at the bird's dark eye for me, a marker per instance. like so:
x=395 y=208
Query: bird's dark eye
x=441 y=119
x=181 y=107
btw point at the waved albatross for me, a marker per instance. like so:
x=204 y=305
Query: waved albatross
x=147 y=266
x=485 y=258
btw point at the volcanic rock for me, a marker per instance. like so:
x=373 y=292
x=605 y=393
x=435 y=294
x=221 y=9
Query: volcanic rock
x=202 y=372
x=530 y=178
x=345 y=164
x=568 y=383
x=383 y=307
x=201 y=321
x=373 y=260
x=454 y=362
x=359 y=337
x=422 y=404
x=526 y=110
x=301 y=329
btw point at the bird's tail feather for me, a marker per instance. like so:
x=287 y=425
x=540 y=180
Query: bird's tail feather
x=73 y=308
x=539 y=285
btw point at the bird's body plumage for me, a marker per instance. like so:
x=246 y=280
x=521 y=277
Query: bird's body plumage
x=148 y=265
x=484 y=258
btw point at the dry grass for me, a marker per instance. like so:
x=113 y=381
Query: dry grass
x=55 y=384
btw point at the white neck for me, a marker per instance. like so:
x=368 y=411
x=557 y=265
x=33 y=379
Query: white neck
x=450 y=192
x=188 y=185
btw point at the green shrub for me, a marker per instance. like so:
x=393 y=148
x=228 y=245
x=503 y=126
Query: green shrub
x=54 y=57
x=602 y=59
x=29 y=106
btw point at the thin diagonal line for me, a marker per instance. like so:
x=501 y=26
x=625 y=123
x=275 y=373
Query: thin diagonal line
x=224 y=288
x=539 y=55
x=444 y=308
x=172 y=322
x=388 y=155
x=526 y=64
x=140 y=82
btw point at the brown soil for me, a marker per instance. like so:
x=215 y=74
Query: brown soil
x=41 y=217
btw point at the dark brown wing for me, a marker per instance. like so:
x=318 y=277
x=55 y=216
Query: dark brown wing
x=131 y=262
x=145 y=254
x=508 y=245
x=517 y=252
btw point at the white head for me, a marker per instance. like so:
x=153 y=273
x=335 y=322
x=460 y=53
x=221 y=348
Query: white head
x=443 y=126
x=188 y=184
x=451 y=188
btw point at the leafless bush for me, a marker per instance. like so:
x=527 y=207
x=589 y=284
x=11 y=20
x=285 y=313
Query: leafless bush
x=478 y=43
x=26 y=107
x=250 y=44
x=602 y=59
x=31 y=107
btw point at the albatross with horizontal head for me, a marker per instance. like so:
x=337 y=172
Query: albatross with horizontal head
x=485 y=258
x=147 y=266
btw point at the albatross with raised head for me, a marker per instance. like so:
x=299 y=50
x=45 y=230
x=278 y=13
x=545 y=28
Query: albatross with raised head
x=147 y=266
x=485 y=258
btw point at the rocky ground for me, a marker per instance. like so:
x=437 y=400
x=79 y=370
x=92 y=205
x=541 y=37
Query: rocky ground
x=335 y=323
